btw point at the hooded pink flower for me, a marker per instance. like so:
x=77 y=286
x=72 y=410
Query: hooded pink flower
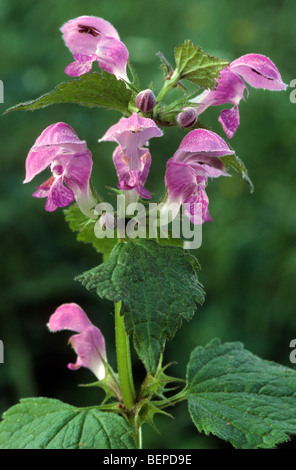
x=70 y=162
x=257 y=70
x=187 y=172
x=131 y=159
x=89 y=343
x=93 y=39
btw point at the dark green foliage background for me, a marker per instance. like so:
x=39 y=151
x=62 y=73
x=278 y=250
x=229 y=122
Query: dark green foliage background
x=248 y=254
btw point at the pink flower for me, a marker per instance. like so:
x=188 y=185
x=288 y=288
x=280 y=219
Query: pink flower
x=196 y=160
x=259 y=71
x=89 y=343
x=255 y=69
x=132 y=179
x=186 y=185
x=93 y=39
x=70 y=162
x=131 y=159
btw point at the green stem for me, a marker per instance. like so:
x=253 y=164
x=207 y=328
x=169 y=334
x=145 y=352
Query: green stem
x=124 y=360
x=138 y=438
x=168 y=85
x=183 y=395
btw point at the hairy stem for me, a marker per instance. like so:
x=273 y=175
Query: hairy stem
x=138 y=438
x=124 y=360
x=168 y=85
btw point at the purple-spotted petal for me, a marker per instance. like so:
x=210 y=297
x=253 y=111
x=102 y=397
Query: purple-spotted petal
x=259 y=71
x=50 y=205
x=197 y=207
x=229 y=119
x=59 y=195
x=146 y=162
x=142 y=176
x=132 y=179
x=122 y=168
x=143 y=192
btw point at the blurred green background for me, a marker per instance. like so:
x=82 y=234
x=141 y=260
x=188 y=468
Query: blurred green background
x=248 y=254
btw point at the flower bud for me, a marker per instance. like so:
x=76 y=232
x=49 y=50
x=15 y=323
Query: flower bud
x=187 y=118
x=146 y=101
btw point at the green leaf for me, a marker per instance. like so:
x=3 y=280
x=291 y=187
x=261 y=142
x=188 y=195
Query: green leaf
x=239 y=397
x=232 y=161
x=43 y=423
x=158 y=286
x=197 y=66
x=78 y=222
x=91 y=89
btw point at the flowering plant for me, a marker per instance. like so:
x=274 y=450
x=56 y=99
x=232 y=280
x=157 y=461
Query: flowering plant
x=148 y=271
